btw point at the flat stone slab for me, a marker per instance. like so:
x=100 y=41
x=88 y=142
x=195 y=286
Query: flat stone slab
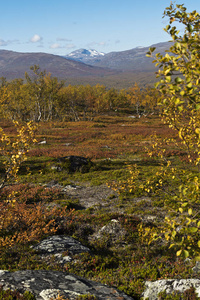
x=46 y=285
x=169 y=286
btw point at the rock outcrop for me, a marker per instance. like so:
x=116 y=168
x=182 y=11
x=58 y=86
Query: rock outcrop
x=169 y=286
x=46 y=285
x=60 y=243
x=57 y=244
x=113 y=232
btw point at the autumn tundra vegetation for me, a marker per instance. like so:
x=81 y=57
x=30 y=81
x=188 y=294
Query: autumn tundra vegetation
x=42 y=97
x=144 y=144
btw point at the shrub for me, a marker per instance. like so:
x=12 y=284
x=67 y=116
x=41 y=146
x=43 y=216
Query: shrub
x=22 y=223
x=15 y=295
x=30 y=193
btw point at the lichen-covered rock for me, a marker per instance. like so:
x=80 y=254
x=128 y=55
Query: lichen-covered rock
x=60 y=243
x=196 y=268
x=113 y=232
x=57 y=244
x=169 y=286
x=46 y=285
x=112 y=228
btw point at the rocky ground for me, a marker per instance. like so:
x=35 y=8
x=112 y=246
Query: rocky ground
x=48 y=285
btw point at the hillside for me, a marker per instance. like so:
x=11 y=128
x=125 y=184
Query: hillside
x=14 y=65
x=130 y=60
x=116 y=69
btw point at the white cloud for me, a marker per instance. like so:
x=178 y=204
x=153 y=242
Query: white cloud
x=36 y=38
x=3 y=43
x=102 y=44
x=55 y=46
x=58 y=46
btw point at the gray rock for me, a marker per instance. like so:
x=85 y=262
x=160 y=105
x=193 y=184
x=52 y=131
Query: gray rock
x=113 y=228
x=46 y=285
x=113 y=232
x=75 y=163
x=42 y=142
x=196 y=268
x=60 y=243
x=169 y=286
x=56 y=168
x=107 y=147
x=2 y=272
x=71 y=187
x=63 y=259
x=53 y=184
x=51 y=294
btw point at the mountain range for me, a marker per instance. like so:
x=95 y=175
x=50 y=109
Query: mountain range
x=129 y=60
x=15 y=64
x=86 y=66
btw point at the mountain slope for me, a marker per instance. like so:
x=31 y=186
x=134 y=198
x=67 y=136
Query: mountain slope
x=129 y=60
x=15 y=64
x=115 y=69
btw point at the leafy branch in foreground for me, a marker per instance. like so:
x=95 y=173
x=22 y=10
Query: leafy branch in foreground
x=14 y=151
x=179 y=73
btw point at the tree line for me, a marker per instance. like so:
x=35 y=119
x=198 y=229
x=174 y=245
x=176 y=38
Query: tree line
x=41 y=97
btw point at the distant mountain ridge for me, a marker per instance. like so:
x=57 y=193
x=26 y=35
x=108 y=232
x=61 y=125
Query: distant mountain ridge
x=128 y=60
x=117 y=69
x=15 y=64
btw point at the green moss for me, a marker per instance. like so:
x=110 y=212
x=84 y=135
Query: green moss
x=189 y=294
x=15 y=295
x=22 y=257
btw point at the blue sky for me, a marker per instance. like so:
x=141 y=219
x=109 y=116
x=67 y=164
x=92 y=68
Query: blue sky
x=62 y=26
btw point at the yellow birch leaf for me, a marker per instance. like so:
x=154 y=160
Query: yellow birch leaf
x=178 y=253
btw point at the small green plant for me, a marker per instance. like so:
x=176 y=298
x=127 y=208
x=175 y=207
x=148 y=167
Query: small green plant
x=10 y=295
x=189 y=294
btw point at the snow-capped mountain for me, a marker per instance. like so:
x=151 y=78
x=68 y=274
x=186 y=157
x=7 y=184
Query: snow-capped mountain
x=87 y=66
x=129 y=60
x=84 y=55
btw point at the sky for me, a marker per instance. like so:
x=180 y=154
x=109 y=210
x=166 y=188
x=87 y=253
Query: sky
x=62 y=26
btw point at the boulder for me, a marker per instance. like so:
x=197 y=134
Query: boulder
x=46 y=285
x=53 y=184
x=57 y=244
x=113 y=232
x=169 y=286
x=73 y=163
x=196 y=268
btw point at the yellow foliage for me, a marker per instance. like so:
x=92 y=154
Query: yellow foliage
x=14 y=151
